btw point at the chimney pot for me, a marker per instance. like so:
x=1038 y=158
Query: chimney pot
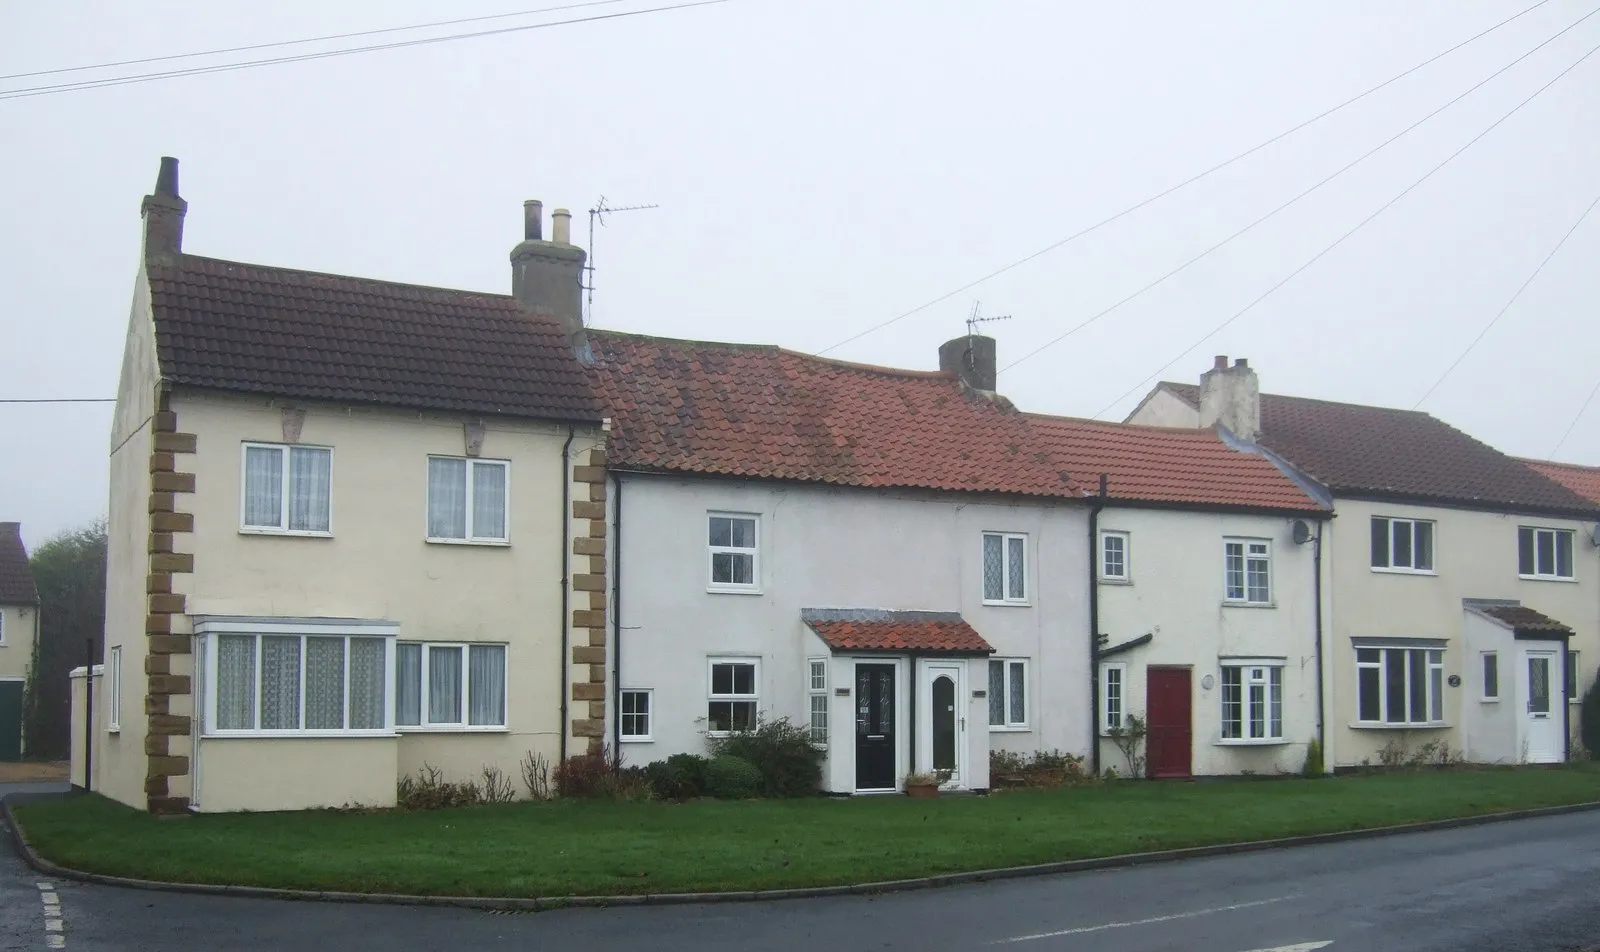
x=1241 y=364
x=163 y=212
x=167 y=177
x=1220 y=362
x=561 y=226
x=532 y=220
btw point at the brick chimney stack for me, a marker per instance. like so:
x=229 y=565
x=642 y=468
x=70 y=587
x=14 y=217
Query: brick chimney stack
x=972 y=358
x=547 y=276
x=1231 y=396
x=163 y=214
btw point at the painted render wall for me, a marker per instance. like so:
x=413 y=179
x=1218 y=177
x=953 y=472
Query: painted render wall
x=1161 y=408
x=1176 y=591
x=1488 y=728
x=1475 y=556
x=298 y=774
x=823 y=547
x=17 y=627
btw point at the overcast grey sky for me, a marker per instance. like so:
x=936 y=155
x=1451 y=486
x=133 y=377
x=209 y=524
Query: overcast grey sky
x=825 y=165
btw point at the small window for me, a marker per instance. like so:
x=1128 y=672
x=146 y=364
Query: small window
x=1005 y=568
x=734 y=697
x=467 y=499
x=1114 y=556
x=450 y=686
x=1402 y=545
x=1008 y=694
x=1400 y=685
x=286 y=489
x=817 y=698
x=636 y=715
x=1248 y=571
x=1574 y=692
x=1252 y=702
x=1113 y=697
x=733 y=547
x=1491 y=676
x=113 y=691
x=1544 y=553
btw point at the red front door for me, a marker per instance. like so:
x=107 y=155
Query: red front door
x=1169 y=711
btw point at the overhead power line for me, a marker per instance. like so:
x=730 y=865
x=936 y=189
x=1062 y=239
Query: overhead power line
x=304 y=40
x=1573 y=425
x=1502 y=313
x=48 y=90
x=1183 y=184
x=1296 y=199
x=1342 y=238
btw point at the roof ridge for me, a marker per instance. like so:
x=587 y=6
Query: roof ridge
x=440 y=289
x=1584 y=467
x=779 y=349
x=1123 y=424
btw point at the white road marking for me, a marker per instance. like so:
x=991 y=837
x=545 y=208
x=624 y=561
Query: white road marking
x=1144 y=922
x=50 y=899
x=1301 y=947
x=53 y=924
x=45 y=887
x=56 y=941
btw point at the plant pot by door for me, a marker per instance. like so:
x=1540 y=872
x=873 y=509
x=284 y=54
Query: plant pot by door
x=922 y=791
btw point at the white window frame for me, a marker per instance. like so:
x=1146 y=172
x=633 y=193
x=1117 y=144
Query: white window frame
x=1433 y=545
x=1383 y=689
x=1126 y=539
x=2 y=629
x=1246 y=546
x=1011 y=726
x=712 y=697
x=1008 y=598
x=1104 y=714
x=472 y=537
x=284 y=452
x=817 y=689
x=1554 y=574
x=1574 y=678
x=1253 y=673
x=1485 y=658
x=649 y=715
x=426 y=726
x=113 y=692
x=754 y=551
x=212 y=627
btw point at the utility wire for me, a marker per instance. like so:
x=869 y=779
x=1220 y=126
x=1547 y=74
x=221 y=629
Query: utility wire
x=63 y=400
x=1342 y=238
x=310 y=39
x=1183 y=184
x=1490 y=326
x=31 y=91
x=1274 y=212
x=1570 y=426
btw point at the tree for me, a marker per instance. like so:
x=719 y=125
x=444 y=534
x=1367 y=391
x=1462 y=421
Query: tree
x=70 y=573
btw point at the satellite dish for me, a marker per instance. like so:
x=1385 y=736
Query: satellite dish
x=1302 y=532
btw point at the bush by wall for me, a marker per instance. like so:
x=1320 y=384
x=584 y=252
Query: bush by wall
x=1589 y=716
x=789 y=763
x=679 y=777
x=732 y=778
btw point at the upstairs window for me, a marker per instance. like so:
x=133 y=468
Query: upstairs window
x=287 y=489
x=1544 y=553
x=1402 y=545
x=733 y=550
x=1248 y=571
x=466 y=499
x=1114 y=556
x=1005 y=568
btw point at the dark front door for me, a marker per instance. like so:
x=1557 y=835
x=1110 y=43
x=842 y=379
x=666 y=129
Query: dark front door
x=874 y=727
x=1169 y=710
x=10 y=720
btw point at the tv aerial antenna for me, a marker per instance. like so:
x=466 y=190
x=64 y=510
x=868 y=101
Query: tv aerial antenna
x=598 y=214
x=977 y=318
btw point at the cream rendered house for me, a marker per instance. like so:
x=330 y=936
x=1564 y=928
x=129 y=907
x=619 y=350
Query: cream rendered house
x=353 y=530
x=19 y=636
x=1462 y=587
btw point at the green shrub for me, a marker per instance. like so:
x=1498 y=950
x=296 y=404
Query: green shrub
x=1589 y=717
x=789 y=763
x=428 y=790
x=732 y=778
x=1041 y=768
x=1313 y=765
x=679 y=777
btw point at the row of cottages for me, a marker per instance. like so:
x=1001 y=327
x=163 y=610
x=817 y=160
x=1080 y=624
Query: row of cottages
x=1464 y=615
x=19 y=637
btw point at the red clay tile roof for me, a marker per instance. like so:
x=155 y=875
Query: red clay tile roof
x=1521 y=618
x=870 y=630
x=16 y=580
x=763 y=412
x=244 y=327
x=1382 y=451
x=1583 y=480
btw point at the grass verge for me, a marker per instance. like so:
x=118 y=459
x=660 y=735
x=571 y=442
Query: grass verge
x=605 y=848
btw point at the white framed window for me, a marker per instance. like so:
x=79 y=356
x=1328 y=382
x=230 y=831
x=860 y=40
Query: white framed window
x=450 y=686
x=734 y=547
x=1113 y=695
x=1544 y=553
x=817 y=699
x=734 y=696
x=1114 y=556
x=113 y=691
x=295 y=677
x=468 y=500
x=1491 y=676
x=637 y=708
x=1399 y=685
x=1008 y=694
x=1574 y=689
x=1247 y=570
x=1402 y=545
x=1252 y=701
x=1005 y=568
x=286 y=489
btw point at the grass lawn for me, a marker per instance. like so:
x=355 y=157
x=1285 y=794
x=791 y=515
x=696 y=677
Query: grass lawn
x=594 y=848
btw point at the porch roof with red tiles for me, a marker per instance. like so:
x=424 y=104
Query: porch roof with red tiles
x=896 y=631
